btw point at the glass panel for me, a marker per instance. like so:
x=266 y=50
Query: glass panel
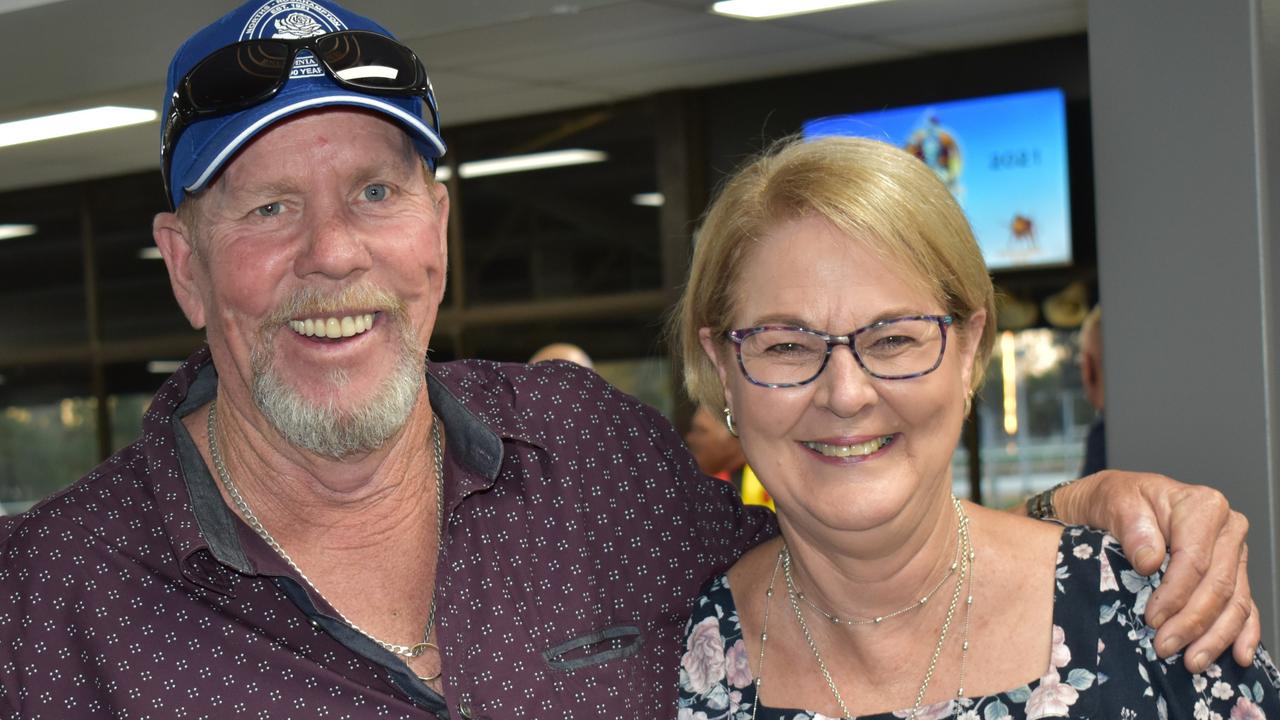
x=565 y=231
x=1032 y=414
x=43 y=448
x=42 y=302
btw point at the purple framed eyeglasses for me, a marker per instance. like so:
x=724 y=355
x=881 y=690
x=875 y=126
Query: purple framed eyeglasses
x=780 y=356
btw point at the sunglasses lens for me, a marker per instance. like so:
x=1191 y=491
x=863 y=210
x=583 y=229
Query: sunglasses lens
x=367 y=60
x=238 y=75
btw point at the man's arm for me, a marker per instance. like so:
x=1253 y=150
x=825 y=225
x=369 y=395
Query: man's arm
x=1204 y=603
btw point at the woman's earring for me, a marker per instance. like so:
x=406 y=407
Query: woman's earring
x=728 y=421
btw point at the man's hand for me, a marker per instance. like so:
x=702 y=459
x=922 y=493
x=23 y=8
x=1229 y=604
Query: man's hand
x=1204 y=603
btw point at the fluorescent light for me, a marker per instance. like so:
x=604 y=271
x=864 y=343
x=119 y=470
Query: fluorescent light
x=163 y=367
x=521 y=163
x=71 y=123
x=151 y=252
x=535 y=161
x=9 y=232
x=766 y=9
x=649 y=199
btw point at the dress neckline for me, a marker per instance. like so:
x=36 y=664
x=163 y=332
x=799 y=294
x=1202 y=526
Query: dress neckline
x=1080 y=639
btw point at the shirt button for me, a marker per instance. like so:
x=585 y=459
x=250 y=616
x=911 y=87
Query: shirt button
x=465 y=711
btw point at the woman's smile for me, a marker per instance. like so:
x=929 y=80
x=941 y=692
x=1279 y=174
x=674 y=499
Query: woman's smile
x=851 y=450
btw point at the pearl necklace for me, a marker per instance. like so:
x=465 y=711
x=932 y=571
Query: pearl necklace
x=965 y=553
x=406 y=651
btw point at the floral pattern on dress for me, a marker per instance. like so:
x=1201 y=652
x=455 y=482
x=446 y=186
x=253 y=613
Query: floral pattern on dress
x=1102 y=665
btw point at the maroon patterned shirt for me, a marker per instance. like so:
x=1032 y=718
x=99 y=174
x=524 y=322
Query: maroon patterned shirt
x=579 y=531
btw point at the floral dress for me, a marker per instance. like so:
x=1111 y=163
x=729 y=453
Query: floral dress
x=1103 y=664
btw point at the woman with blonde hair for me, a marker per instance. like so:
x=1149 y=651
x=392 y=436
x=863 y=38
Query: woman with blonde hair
x=839 y=309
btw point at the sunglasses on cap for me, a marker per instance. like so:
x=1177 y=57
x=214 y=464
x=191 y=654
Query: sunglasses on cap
x=253 y=71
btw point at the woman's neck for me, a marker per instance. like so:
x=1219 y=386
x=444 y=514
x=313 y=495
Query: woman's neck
x=874 y=573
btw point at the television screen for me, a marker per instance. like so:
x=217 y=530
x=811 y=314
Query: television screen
x=1004 y=158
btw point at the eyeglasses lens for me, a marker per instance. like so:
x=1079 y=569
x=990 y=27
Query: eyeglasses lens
x=366 y=60
x=895 y=349
x=237 y=75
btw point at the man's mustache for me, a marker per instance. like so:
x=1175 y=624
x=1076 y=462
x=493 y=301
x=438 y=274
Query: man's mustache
x=310 y=302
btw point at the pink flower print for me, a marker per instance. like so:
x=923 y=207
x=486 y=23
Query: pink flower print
x=1053 y=698
x=1108 y=577
x=1246 y=710
x=737 y=668
x=1199 y=683
x=1060 y=656
x=1084 y=552
x=1222 y=690
x=703 y=659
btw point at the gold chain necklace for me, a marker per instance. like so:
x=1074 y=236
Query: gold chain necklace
x=406 y=651
x=876 y=620
x=966 y=555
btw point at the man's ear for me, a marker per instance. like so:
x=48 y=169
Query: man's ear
x=186 y=268
x=440 y=198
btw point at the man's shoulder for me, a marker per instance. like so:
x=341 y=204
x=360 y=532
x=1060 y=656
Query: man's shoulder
x=508 y=395
x=471 y=376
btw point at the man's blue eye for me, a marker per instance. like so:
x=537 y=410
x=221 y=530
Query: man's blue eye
x=375 y=193
x=270 y=209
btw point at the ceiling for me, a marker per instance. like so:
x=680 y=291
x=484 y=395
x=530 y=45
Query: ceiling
x=488 y=59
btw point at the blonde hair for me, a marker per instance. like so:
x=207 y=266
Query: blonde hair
x=864 y=188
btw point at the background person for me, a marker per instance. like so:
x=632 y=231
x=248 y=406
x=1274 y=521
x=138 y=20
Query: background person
x=563 y=351
x=885 y=596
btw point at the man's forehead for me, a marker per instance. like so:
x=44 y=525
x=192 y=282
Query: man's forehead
x=381 y=143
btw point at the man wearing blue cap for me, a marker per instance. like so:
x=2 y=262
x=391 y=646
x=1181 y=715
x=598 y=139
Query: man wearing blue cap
x=313 y=525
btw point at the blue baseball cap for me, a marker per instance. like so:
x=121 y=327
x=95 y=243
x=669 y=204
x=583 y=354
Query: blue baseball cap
x=207 y=144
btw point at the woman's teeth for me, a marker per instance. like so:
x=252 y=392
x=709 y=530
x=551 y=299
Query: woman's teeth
x=846 y=451
x=333 y=327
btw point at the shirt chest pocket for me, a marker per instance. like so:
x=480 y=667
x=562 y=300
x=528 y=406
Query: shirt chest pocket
x=594 y=648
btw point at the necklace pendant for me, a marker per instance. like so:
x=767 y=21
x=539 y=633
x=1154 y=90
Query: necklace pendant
x=420 y=648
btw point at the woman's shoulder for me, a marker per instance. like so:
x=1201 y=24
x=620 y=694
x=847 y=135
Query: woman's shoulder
x=714 y=671
x=714 y=602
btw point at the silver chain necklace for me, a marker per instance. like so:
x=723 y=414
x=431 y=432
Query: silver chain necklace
x=407 y=651
x=966 y=555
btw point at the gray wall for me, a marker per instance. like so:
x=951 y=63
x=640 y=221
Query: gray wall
x=1186 y=132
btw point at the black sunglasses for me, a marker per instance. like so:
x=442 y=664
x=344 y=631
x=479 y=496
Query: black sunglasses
x=251 y=72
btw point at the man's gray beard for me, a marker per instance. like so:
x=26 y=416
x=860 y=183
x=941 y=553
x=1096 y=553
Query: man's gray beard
x=323 y=428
